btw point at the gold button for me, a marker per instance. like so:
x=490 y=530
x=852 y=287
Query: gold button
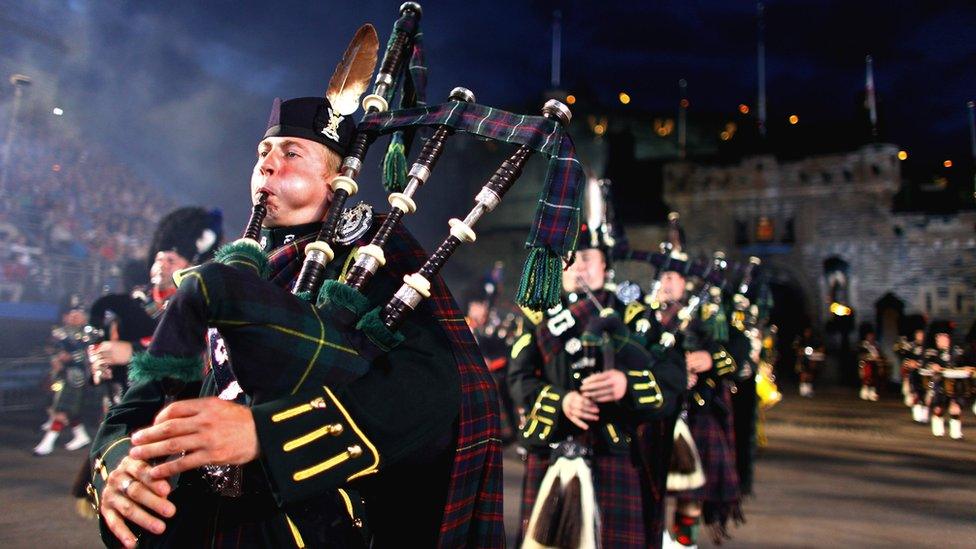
x=335 y=429
x=354 y=451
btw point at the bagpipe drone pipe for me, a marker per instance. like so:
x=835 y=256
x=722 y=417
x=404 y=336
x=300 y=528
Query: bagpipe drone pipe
x=326 y=331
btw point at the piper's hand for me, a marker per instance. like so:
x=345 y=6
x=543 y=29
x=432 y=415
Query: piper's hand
x=692 y=380
x=580 y=409
x=608 y=386
x=130 y=493
x=698 y=361
x=203 y=430
x=109 y=353
x=936 y=368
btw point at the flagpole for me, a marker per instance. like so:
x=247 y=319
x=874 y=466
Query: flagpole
x=761 y=65
x=971 y=106
x=683 y=119
x=869 y=97
x=557 y=43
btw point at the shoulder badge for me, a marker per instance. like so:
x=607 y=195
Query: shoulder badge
x=633 y=309
x=354 y=223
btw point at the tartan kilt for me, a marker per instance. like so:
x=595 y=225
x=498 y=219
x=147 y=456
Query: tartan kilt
x=619 y=493
x=71 y=397
x=714 y=436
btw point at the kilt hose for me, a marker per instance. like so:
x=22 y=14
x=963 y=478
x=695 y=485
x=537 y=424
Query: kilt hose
x=619 y=489
x=714 y=435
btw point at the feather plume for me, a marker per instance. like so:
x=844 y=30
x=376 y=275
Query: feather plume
x=354 y=73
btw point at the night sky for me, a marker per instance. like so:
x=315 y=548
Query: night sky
x=181 y=90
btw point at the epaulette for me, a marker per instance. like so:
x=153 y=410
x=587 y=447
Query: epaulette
x=633 y=309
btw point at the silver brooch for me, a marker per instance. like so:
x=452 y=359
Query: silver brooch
x=354 y=223
x=628 y=292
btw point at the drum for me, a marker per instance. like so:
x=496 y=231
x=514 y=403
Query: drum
x=957 y=383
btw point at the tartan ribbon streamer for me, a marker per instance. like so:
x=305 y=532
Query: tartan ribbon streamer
x=557 y=219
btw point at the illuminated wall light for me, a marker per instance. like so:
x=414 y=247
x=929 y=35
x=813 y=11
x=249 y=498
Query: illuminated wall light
x=599 y=129
x=571 y=99
x=684 y=104
x=902 y=155
x=840 y=309
x=947 y=163
x=743 y=108
x=624 y=98
x=794 y=119
x=58 y=111
x=663 y=126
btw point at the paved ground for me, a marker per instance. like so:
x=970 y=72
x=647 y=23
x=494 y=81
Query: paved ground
x=837 y=472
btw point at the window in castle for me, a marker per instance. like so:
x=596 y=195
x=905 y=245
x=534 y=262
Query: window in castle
x=741 y=233
x=875 y=170
x=958 y=303
x=848 y=176
x=928 y=301
x=826 y=177
x=804 y=178
x=765 y=231
x=789 y=234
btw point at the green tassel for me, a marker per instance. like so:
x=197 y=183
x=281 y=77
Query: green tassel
x=395 y=165
x=336 y=294
x=372 y=326
x=146 y=367
x=305 y=296
x=244 y=255
x=719 y=325
x=541 y=281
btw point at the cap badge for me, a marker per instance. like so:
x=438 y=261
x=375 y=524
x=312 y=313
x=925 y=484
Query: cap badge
x=331 y=130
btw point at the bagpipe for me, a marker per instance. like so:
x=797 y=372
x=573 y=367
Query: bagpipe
x=326 y=331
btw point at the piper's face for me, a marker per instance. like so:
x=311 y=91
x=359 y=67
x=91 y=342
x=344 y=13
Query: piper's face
x=295 y=173
x=919 y=336
x=943 y=341
x=163 y=267
x=590 y=266
x=75 y=318
x=672 y=287
x=477 y=313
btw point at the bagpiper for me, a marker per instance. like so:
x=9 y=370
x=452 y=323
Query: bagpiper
x=910 y=348
x=870 y=363
x=69 y=379
x=809 y=349
x=396 y=426
x=586 y=383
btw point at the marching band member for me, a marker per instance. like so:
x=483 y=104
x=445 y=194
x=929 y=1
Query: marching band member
x=870 y=363
x=912 y=351
x=952 y=381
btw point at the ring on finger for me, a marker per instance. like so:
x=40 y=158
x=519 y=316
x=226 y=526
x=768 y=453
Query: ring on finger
x=126 y=484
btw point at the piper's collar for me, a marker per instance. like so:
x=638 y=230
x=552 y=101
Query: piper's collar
x=280 y=236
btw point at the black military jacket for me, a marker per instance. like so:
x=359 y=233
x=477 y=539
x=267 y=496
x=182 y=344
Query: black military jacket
x=314 y=445
x=547 y=363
